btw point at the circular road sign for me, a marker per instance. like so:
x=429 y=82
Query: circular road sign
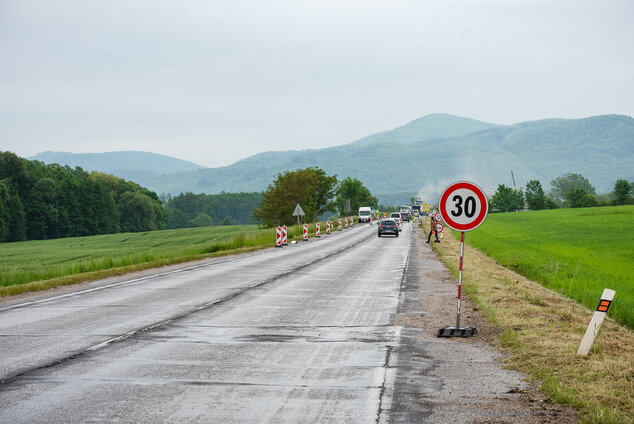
x=425 y=208
x=438 y=217
x=439 y=227
x=463 y=206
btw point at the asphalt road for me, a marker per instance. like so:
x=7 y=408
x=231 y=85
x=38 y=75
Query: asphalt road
x=335 y=330
x=304 y=333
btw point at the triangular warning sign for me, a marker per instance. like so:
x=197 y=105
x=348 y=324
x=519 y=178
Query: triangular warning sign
x=298 y=211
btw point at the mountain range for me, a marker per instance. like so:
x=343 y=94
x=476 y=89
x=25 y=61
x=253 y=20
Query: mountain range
x=418 y=158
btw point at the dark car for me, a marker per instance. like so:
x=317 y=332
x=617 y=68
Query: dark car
x=388 y=226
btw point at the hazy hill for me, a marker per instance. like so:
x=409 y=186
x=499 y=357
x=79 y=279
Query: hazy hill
x=130 y=165
x=435 y=125
x=601 y=148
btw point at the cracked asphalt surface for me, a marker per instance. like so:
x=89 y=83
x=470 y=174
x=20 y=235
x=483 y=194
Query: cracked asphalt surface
x=328 y=331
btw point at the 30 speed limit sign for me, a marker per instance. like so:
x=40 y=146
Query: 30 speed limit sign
x=463 y=206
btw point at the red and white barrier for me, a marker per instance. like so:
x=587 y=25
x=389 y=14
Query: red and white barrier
x=305 y=232
x=317 y=229
x=339 y=224
x=346 y=221
x=352 y=222
x=284 y=236
x=278 y=237
x=327 y=227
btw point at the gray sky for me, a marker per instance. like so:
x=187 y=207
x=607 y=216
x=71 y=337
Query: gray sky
x=216 y=81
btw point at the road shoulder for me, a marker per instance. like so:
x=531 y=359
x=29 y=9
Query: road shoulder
x=454 y=379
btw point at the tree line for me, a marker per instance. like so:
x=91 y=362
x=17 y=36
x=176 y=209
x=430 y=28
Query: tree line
x=568 y=191
x=203 y=210
x=39 y=201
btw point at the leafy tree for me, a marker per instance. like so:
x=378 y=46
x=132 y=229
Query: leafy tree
x=535 y=196
x=17 y=218
x=353 y=189
x=228 y=221
x=310 y=187
x=137 y=212
x=505 y=199
x=567 y=183
x=622 y=191
x=177 y=219
x=580 y=198
x=202 y=220
x=12 y=168
x=550 y=203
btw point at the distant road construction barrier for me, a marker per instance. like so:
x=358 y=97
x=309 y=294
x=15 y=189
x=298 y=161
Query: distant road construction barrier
x=346 y=222
x=327 y=227
x=352 y=222
x=339 y=224
x=278 y=237
x=284 y=236
x=305 y=232
x=317 y=229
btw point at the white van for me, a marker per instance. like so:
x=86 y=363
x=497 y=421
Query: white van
x=365 y=214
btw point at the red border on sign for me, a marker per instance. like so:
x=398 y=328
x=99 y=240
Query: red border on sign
x=484 y=206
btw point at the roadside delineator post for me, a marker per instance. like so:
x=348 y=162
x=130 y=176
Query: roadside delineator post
x=339 y=224
x=278 y=237
x=346 y=221
x=305 y=232
x=327 y=227
x=317 y=229
x=595 y=323
x=351 y=221
x=284 y=236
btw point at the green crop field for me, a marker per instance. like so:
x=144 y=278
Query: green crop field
x=24 y=262
x=577 y=252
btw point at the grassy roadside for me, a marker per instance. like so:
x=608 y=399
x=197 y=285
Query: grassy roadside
x=542 y=331
x=44 y=264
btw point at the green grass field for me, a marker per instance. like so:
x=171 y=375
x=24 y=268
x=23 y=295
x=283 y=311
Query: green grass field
x=577 y=252
x=24 y=262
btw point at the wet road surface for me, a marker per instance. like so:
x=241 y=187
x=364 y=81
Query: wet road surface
x=300 y=334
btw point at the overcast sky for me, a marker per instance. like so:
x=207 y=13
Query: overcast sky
x=216 y=81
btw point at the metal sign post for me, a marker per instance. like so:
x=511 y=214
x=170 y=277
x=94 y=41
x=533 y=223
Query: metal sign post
x=298 y=212
x=463 y=207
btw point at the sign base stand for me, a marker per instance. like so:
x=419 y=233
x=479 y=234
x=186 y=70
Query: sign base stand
x=457 y=332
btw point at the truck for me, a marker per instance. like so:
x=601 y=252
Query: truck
x=417 y=206
x=365 y=214
x=406 y=213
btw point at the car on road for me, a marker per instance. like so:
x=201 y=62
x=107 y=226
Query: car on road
x=388 y=226
x=396 y=216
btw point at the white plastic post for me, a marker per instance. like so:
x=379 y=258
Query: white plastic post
x=595 y=323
